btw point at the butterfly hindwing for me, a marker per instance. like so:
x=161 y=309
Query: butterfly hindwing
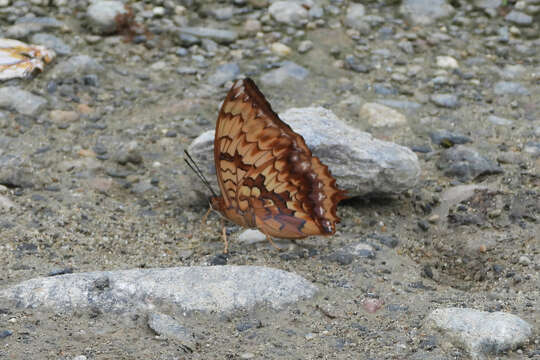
x=266 y=173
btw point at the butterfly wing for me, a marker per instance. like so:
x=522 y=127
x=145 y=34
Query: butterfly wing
x=266 y=173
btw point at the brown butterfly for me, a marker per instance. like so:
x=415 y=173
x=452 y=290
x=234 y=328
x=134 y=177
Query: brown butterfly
x=268 y=177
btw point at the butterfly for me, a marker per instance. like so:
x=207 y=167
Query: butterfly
x=267 y=175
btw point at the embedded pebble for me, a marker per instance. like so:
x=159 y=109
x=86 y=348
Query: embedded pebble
x=287 y=70
x=466 y=163
x=224 y=73
x=445 y=100
x=509 y=88
x=280 y=49
x=167 y=327
x=218 y=35
x=52 y=42
x=77 y=66
x=379 y=115
x=305 y=46
x=447 y=62
x=519 y=18
x=496 y=120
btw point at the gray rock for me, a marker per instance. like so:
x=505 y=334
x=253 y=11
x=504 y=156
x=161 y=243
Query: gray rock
x=445 y=100
x=361 y=164
x=28 y=25
x=224 y=13
x=352 y=63
x=466 y=163
x=224 y=73
x=480 y=333
x=167 y=327
x=14 y=172
x=187 y=70
x=316 y=12
x=499 y=120
x=447 y=138
x=488 y=4
x=355 y=18
x=21 y=101
x=425 y=12
x=400 y=104
x=102 y=15
x=532 y=148
x=509 y=88
x=519 y=18
x=305 y=46
x=76 y=66
x=513 y=71
x=52 y=42
x=287 y=70
x=218 y=35
x=289 y=13
x=348 y=253
x=217 y=289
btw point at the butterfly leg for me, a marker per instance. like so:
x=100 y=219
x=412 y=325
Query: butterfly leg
x=224 y=236
x=203 y=221
x=273 y=243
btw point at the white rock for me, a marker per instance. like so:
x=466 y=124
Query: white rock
x=280 y=49
x=380 y=116
x=251 y=236
x=361 y=164
x=289 y=13
x=499 y=120
x=447 y=62
x=305 y=46
x=102 y=15
x=480 y=332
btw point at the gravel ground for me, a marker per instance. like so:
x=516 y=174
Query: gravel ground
x=92 y=176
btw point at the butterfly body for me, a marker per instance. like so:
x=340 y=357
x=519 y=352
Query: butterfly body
x=267 y=175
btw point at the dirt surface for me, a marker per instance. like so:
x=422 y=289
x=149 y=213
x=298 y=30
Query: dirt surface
x=109 y=189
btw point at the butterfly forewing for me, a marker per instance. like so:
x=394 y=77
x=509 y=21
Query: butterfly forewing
x=267 y=175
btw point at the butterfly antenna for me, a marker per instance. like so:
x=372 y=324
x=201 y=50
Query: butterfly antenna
x=193 y=166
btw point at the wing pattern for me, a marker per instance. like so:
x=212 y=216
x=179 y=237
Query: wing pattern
x=267 y=175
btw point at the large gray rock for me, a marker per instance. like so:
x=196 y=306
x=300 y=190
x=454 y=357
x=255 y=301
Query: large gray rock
x=479 y=332
x=21 y=101
x=361 y=164
x=182 y=289
x=425 y=12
